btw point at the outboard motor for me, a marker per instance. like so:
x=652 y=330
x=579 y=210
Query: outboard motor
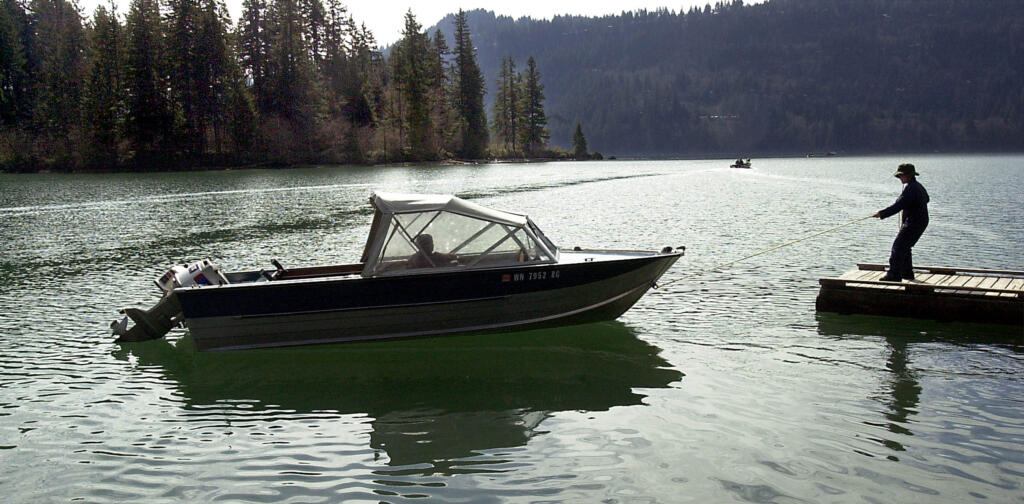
x=157 y=321
x=187 y=275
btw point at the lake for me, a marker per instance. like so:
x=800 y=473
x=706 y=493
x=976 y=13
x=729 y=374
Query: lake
x=724 y=386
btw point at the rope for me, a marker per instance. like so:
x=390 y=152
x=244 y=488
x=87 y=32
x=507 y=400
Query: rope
x=765 y=251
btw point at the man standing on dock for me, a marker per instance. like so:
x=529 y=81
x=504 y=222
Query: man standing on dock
x=913 y=202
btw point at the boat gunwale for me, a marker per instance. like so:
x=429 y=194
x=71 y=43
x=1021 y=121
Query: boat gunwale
x=601 y=257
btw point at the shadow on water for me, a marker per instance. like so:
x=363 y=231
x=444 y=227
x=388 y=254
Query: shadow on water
x=907 y=330
x=903 y=390
x=430 y=401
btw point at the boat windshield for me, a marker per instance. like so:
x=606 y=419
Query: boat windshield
x=417 y=241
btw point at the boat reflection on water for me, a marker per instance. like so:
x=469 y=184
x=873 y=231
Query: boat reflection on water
x=902 y=393
x=429 y=401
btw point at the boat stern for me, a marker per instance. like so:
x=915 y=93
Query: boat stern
x=157 y=321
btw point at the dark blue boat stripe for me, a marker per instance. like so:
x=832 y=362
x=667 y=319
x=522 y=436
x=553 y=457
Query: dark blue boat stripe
x=406 y=290
x=343 y=309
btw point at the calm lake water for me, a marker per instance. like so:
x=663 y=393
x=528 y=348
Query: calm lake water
x=725 y=386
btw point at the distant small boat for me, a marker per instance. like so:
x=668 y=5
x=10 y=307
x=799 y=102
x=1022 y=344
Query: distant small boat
x=741 y=164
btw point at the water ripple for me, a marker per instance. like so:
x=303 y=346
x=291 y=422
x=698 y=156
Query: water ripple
x=724 y=386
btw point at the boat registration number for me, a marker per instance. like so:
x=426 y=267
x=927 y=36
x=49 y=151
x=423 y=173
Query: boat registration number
x=530 y=276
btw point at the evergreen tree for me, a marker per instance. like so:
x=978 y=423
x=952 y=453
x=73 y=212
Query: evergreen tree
x=61 y=47
x=411 y=59
x=254 y=50
x=362 y=84
x=103 y=103
x=293 y=93
x=361 y=64
x=579 y=143
x=241 y=119
x=506 y=105
x=469 y=94
x=216 y=71
x=185 y=72
x=14 y=92
x=314 y=31
x=334 y=60
x=204 y=78
x=148 y=118
x=534 y=135
x=440 y=82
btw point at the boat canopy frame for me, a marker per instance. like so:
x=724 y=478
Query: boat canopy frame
x=468 y=236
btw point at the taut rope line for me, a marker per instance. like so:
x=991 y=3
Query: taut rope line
x=765 y=251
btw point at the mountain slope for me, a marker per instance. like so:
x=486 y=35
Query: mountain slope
x=785 y=76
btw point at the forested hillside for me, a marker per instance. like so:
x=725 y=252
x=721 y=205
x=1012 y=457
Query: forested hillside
x=785 y=76
x=174 y=84
x=177 y=84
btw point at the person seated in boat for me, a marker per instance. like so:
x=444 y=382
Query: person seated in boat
x=426 y=257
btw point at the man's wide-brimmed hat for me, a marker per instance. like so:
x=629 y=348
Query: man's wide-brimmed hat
x=906 y=169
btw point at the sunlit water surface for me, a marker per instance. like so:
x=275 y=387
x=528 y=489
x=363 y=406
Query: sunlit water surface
x=724 y=386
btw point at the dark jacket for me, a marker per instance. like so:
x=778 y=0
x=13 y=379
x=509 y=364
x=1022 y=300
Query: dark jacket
x=913 y=201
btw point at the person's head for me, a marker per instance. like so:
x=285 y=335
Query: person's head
x=906 y=172
x=426 y=243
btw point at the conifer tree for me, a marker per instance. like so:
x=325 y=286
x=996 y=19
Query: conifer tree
x=241 y=111
x=184 y=75
x=254 y=50
x=314 y=31
x=14 y=83
x=506 y=105
x=61 y=47
x=469 y=94
x=361 y=66
x=441 y=112
x=103 y=104
x=411 y=58
x=216 y=70
x=579 y=143
x=293 y=90
x=333 y=62
x=534 y=134
x=148 y=121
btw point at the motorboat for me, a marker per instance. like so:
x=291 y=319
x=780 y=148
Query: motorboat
x=431 y=265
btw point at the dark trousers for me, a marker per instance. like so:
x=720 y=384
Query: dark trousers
x=901 y=264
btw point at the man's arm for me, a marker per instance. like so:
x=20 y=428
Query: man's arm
x=896 y=207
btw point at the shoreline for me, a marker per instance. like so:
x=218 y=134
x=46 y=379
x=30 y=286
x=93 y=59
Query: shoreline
x=531 y=160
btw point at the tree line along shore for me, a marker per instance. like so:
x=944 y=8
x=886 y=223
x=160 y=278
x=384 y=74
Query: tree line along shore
x=176 y=86
x=173 y=84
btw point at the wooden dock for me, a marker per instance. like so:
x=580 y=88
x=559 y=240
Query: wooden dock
x=947 y=294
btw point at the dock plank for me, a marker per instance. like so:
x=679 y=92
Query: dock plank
x=944 y=269
x=857 y=275
x=973 y=282
x=1002 y=283
x=998 y=285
